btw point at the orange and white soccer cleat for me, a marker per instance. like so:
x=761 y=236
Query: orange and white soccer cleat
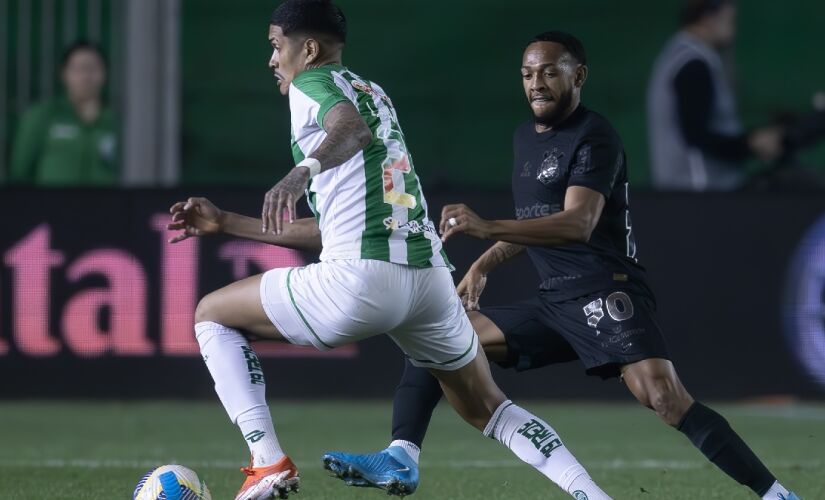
x=272 y=481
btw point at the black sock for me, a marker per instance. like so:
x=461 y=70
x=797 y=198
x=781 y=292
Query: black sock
x=415 y=399
x=712 y=434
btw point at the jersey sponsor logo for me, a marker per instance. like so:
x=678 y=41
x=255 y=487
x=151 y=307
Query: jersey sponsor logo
x=555 y=282
x=544 y=439
x=550 y=171
x=412 y=226
x=394 y=172
x=537 y=210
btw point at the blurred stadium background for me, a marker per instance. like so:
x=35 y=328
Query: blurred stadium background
x=100 y=377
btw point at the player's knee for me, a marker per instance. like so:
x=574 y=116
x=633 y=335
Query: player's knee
x=206 y=309
x=665 y=398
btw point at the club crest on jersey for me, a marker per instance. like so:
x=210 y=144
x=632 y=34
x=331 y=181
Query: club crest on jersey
x=525 y=170
x=549 y=170
x=363 y=87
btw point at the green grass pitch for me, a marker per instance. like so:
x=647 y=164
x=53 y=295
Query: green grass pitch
x=92 y=450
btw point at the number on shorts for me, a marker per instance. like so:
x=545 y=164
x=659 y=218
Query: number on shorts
x=619 y=306
x=594 y=313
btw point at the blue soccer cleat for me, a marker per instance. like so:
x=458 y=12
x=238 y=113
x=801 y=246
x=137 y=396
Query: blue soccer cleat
x=392 y=470
x=791 y=496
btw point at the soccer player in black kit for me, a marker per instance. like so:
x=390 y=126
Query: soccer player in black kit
x=572 y=218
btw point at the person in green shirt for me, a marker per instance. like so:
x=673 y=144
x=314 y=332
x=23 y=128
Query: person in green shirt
x=69 y=140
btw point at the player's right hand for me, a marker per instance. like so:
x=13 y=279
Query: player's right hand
x=195 y=217
x=470 y=288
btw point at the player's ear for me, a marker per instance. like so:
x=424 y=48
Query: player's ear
x=313 y=50
x=581 y=76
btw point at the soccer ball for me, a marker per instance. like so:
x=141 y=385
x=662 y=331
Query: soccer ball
x=171 y=482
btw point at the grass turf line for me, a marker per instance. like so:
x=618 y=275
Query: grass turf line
x=77 y=450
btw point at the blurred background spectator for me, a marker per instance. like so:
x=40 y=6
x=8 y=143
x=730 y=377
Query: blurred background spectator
x=69 y=140
x=696 y=140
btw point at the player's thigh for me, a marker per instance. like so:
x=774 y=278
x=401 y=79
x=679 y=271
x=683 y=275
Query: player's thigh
x=238 y=305
x=490 y=336
x=334 y=303
x=523 y=336
x=471 y=390
x=435 y=332
x=610 y=329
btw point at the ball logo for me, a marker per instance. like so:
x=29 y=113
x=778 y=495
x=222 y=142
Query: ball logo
x=804 y=304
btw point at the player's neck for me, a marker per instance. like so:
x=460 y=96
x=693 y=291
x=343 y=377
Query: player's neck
x=325 y=61
x=546 y=127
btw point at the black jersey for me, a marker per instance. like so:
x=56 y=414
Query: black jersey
x=584 y=150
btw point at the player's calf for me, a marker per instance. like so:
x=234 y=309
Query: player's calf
x=655 y=384
x=472 y=392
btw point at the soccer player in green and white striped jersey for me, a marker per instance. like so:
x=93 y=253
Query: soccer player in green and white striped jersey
x=380 y=212
x=382 y=267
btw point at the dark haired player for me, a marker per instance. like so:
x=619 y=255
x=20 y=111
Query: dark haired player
x=382 y=268
x=572 y=217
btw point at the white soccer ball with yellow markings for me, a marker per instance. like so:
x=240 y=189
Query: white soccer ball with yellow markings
x=171 y=482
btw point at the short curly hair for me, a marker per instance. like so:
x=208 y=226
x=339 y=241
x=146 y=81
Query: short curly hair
x=310 y=16
x=572 y=44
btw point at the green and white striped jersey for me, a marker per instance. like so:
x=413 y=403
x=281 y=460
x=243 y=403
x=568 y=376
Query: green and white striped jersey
x=371 y=206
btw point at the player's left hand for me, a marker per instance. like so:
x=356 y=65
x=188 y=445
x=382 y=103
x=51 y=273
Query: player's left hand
x=460 y=218
x=283 y=197
x=195 y=217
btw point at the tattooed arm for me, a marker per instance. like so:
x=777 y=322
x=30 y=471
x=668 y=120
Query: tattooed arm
x=471 y=286
x=497 y=254
x=347 y=134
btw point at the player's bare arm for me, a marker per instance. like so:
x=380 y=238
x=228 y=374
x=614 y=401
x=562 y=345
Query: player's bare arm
x=473 y=283
x=582 y=209
x=200 y=217
x=347 y=133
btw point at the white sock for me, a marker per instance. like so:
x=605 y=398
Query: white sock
x=776 y=492
x=256 y=427
x=536 y=443
x=412 y=450
x=239 y=382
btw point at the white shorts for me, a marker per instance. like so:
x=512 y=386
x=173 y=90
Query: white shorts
x=334 y=303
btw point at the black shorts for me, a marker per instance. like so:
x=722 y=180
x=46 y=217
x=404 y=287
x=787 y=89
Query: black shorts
x=605 y=330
